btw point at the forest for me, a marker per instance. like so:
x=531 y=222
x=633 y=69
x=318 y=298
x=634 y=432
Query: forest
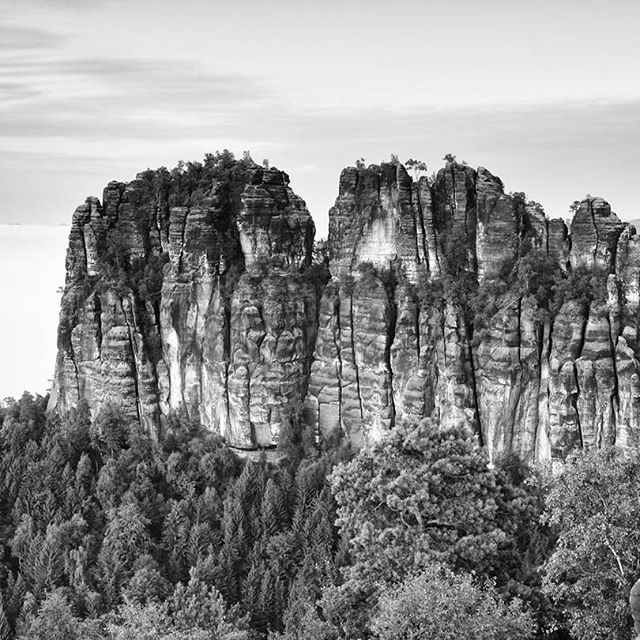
x=108 y=533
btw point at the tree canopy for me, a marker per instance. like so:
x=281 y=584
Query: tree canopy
x=438 y=604
x=420 y=495
x=594 y=506
x=108 y=533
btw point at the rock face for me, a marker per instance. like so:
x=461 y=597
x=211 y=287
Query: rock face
x=634 y=605
x=188 y=290
x=448 y=298
x=438 y=306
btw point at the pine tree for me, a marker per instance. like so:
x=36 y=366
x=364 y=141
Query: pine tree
x=175 y=536
x=271 y=517
x=423 y=493
x=5 y=630
x=14 y=595
x=251 y=602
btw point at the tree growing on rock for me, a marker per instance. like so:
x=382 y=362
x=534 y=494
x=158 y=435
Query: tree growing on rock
x=418 y=167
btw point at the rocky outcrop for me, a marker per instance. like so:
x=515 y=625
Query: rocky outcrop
x=634 y=605
x=377 y=220
x=469 y=331
x=449 y=298
x=189 y=290
x=594 y=234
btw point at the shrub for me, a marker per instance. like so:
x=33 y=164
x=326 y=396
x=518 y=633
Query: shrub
x=440 y=605
x=584 y=285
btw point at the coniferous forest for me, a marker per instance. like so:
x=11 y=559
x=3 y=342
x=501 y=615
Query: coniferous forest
x=108 y=533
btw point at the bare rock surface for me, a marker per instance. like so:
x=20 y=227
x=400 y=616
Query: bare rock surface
x=527 y=374
x=187 y=290
x=448 y=298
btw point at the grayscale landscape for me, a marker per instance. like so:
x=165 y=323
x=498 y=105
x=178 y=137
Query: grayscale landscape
x=320 y=321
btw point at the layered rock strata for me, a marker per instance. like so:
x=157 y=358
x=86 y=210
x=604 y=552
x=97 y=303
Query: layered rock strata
x=435 y=309
x=188 y=290
x=448 y=298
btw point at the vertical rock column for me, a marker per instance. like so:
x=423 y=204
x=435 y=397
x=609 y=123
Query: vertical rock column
x=188 y=290
x=373 y=233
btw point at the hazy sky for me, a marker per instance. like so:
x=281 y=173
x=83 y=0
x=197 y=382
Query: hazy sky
x=31 y=270
x=545 y=94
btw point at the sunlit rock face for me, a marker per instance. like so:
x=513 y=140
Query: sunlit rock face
x=526 y=375
x=188 y=290
x=595 y=230
x=448 y=298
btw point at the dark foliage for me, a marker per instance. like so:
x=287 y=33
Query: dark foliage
x=107 y=532
x=103 y=515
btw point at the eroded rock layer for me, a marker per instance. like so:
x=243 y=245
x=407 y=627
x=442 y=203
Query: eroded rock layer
x=453 y=299
x=448 y=298
x=189 y=290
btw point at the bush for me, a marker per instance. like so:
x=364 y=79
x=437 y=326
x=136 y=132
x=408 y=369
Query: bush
x=584 y=285
x=440 y=605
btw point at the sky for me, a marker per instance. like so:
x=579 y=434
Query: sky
x=544 y=94
x=31 y=271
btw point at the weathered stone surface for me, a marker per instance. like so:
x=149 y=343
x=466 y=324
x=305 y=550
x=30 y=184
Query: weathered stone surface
x=628 y=272
x=272 y=340
x=498 y=226
x=188 y=290
x=595 y=230
x=454 y=205
x=273 y=222
x=634 y=604
x=524 y=379
x=536 y=226
x=194 y=292
x=377 y=219
x=353 y=342
x=558 y=244
x=508 y=378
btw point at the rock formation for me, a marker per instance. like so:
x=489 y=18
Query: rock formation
x=188 y=290
x=448 y=298
x=436 y=308
x=634 y=605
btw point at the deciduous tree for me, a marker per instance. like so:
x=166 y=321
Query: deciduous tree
x=440 y=605
x=594 y=505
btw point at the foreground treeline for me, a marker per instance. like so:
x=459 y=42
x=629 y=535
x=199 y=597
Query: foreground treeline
x=108 y=534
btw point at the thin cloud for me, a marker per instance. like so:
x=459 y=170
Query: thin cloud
x=126 y=98
x=61 y=5
x=15 y=39
x=11 y=92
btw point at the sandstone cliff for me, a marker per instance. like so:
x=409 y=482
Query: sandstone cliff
x=448 y=298
x=189 y=289
x=459 y=301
